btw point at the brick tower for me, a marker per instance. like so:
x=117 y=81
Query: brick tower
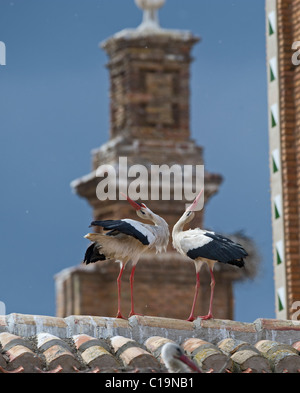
x=283 y=29
x=149 y=70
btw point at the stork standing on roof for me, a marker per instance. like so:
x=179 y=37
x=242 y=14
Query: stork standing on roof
x=126 y=240
x=205 y=246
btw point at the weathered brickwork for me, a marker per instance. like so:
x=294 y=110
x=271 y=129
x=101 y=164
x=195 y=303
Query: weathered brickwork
x=288 y=25
x=149 y=80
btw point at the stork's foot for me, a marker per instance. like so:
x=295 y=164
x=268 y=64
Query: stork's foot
x=191 y=318
x=208 y=316
x=134 y=313
x=119 y=315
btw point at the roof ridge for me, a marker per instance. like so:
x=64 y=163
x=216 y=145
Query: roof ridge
x=139 y=328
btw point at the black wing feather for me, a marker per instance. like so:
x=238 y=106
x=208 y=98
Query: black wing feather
x=92 y=254
x=220 y=249
x=122 y=227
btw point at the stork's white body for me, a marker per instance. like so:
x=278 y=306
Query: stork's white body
x=123 y=248
x=185 y=241
x=126 y=240
x=205 y=246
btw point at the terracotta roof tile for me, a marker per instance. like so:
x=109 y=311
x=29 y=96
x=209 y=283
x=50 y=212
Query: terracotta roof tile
x=244 y=356
x=18 y=353
x=31 y=343
x=132 y=354
x=247 y=359
x=57 y=352
x=231 y=345
x=207 y=355
x=296 y=345
x=282 y=357
x=154 y=345
x=95 y=352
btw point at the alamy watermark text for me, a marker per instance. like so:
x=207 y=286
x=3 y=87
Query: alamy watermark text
x=155 y=182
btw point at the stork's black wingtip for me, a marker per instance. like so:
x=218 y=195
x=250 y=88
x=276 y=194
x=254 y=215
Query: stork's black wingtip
x=95 y=223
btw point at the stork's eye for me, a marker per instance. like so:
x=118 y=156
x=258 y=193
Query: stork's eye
x=142 y=211
x=188 y=213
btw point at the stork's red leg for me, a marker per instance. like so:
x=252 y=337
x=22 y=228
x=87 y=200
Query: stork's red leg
x=131 y=292
x=119 y=315
x=191 y=317
x=212 y=286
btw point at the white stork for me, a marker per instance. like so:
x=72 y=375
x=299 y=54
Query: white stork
x=205 y=246
x=126 y=240
x=176 y=361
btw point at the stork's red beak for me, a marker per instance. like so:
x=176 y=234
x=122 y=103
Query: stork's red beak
x=135 y=205
x=191 y=364
x=195 y=203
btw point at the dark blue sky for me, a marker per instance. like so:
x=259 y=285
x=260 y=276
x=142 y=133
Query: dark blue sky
x=54 y=105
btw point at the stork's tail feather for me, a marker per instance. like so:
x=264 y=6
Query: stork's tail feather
x=237 y=262
x=93 y=255
x=93 y=237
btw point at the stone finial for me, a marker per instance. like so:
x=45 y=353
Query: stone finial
x=150 y=16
